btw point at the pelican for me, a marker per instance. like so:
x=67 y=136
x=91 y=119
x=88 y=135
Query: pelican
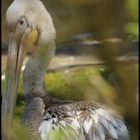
x=31 y=31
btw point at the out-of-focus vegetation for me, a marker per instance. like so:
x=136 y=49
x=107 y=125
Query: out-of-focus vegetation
x=82 y=16
x=132 y=26
x=90 y=81
x=116 y=84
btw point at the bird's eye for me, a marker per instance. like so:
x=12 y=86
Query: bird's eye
x=21 y=22
x=21 y=25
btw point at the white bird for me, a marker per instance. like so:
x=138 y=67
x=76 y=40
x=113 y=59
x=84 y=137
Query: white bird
x=31 y=30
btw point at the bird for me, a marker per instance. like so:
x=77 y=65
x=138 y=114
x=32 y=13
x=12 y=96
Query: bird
x=31 y=31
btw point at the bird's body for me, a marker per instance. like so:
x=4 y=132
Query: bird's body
x=82 y=121
x=45 y=117
x=74 y=121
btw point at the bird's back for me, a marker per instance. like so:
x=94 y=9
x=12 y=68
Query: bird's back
x=82 y=121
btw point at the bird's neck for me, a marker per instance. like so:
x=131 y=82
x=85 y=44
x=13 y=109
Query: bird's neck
x=34 y=73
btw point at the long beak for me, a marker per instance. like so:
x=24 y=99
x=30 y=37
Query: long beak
x=14 y=63
x=16 y=53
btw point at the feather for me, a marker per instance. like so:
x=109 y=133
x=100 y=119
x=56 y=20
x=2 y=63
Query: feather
x=93 y=124
x=87 y=124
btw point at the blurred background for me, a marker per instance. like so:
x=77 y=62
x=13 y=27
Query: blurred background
x=96 y=56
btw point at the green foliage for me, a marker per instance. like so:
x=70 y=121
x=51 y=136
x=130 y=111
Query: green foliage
x=19 y=131
x=132 y=27
x=132 y=6
x=61 y=86
x=80 y=84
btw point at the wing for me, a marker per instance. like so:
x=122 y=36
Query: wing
x=82 y=121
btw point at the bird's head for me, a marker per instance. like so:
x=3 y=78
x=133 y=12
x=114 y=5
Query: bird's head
x=29 y=25
x=28 y=22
